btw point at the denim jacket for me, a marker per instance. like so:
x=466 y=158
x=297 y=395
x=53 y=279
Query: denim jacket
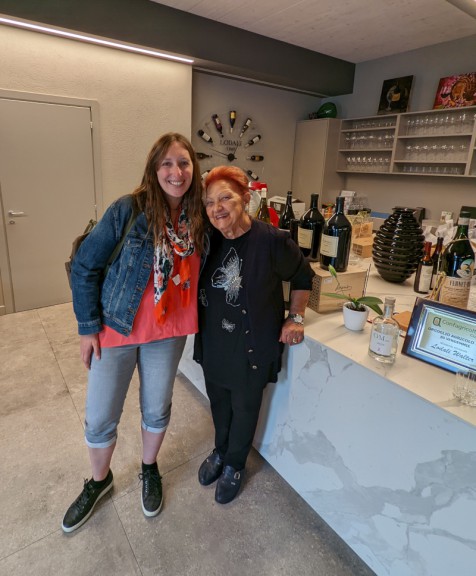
x=114 y=300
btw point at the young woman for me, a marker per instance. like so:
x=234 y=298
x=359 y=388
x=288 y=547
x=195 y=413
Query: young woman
x=138 y=313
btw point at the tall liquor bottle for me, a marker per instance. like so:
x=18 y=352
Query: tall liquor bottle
x=384 y=336
x=424 y=271
x=336 y=239
x=287 y=214
x=263 y=212
x=436 y=260
x=458 y=265
x=310 y=229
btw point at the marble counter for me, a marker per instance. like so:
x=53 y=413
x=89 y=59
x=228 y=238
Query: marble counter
x=383 y=454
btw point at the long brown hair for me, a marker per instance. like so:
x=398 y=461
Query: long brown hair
x=150 y=198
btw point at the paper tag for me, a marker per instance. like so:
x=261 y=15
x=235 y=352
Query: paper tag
x=176 y=279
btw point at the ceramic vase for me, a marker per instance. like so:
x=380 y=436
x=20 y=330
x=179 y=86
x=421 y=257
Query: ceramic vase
x=354 y=319
x=398 y=246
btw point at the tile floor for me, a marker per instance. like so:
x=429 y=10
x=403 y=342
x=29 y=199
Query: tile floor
x=267 y=530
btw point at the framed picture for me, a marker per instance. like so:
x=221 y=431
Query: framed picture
x=456 y=91
x=395 y=95
x=442 y=335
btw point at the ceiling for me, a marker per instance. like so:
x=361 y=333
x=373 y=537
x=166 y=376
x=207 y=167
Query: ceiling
x=309 y=46
x=353 y=30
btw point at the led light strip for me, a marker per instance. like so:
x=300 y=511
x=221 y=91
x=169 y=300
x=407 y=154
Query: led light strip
x=92 y=40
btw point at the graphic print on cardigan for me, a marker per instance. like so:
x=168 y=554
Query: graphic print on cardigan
x=228 y=277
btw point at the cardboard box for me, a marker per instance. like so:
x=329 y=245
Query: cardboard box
x=278 y=203
x=352 y=282
x=362 y=229
x=363 y=246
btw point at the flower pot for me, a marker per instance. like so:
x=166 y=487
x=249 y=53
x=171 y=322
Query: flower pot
x=354 y=319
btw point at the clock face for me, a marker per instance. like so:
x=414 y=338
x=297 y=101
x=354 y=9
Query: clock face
x=230 y=138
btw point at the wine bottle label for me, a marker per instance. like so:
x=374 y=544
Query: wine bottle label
x=304 y=238
x=455 y=291
x=329 y=245
x=381 y=343
x=425 y=278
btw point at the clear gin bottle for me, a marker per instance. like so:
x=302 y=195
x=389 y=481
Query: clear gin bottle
x=384 y=336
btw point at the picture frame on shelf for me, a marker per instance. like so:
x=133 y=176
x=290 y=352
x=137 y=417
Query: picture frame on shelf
x=456 y=91
x=395 y=95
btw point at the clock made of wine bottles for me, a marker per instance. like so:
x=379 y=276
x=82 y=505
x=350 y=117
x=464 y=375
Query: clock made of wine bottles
x=230 y=138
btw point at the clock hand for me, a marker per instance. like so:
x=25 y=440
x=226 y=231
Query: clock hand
x=220 y=152
x=230 y=157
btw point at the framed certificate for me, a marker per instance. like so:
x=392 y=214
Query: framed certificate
x=442 y=335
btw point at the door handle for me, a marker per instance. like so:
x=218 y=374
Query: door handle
x=14 y=214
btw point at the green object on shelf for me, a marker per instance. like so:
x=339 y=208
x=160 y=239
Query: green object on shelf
x=327 y=110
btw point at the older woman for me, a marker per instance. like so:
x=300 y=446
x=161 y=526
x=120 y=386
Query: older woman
x=241 y=320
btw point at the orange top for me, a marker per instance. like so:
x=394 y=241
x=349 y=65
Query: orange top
x=180 y=322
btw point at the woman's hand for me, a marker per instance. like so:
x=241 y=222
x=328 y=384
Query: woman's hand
x=291 y=333
x=89 y=345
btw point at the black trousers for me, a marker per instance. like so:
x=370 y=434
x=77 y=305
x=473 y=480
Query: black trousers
x=235 y=413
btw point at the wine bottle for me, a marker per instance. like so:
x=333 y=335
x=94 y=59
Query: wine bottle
x=436 y=260
x=255 y=158
x=336 y=239
x=205 y=136
x=263 y=212
x=252 y=175
x=232 y=119
x=253 y=140
x=245 y=126
x=458 y=265
x=202 y=155
x=384 y=336
x=218 y=124
x=310 y=229
x=424 y=271
x=287 y=214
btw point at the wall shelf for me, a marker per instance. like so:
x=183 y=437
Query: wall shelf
x=429 y=143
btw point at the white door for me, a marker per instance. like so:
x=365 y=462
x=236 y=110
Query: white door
x=47 y=194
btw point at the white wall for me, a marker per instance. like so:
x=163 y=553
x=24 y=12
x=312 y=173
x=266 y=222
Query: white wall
x=275 y=111
x=427 y=65
x=139 y=97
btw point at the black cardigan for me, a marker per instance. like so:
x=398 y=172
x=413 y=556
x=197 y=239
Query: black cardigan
x=274 y=258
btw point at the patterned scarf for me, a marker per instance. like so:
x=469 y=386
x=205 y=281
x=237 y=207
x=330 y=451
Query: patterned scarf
x=172 y=243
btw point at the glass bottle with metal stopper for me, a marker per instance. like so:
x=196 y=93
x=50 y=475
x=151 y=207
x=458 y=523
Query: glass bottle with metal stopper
x=384 y=336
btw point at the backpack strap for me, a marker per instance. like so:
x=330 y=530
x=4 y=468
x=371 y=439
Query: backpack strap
x=120 y=244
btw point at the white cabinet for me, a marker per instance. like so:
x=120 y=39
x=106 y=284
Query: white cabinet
x=314 y=164
x=431 y=143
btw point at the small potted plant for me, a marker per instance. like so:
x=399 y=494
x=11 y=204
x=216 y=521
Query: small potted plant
x=355 y=310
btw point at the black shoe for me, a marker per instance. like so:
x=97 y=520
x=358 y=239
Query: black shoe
x=151 y=492
x=82 y=508
x=210 y=469
x=228 y=485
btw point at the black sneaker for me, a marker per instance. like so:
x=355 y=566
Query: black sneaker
x=82 y=508
x=151 y=492
x=228 y=485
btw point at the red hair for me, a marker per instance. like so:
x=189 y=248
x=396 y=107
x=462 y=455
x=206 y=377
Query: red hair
x=230 y=174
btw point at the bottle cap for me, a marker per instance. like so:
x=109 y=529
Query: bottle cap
x=390 y=300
